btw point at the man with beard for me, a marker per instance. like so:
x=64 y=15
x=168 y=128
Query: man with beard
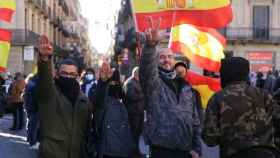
x=172 y=128
x=63 y=110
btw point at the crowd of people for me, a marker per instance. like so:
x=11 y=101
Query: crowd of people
x=99 y=116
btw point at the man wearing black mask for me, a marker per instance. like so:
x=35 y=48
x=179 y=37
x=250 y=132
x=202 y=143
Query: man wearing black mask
x=114 y=135
x=64 y=112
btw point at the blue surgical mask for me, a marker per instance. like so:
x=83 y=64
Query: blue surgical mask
x=89 y=77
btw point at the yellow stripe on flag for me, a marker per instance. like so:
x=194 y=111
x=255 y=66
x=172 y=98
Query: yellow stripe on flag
x=9 y=4
x=143 y=6
x=4 y=53
x=205 y=93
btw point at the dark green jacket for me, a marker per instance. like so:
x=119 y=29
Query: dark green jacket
x=64 y=128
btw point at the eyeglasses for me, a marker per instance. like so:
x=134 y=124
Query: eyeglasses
x=68 y=74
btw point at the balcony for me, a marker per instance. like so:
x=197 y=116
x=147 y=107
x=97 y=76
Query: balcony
x=252 y=35
x=24 y=37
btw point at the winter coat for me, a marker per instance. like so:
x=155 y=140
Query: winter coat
x=240 y=118
x=111 y=119
x=64 y=127
x=16 y=90
x=134 y=102
x=172 y=118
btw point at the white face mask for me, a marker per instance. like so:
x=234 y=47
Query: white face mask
x=89 y=77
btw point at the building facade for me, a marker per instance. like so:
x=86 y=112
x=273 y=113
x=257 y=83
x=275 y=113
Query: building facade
x=255 y=33
x=59 y=20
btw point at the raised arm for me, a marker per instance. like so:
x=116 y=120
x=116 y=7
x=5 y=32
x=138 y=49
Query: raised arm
x=149 y=76
x=45 y=85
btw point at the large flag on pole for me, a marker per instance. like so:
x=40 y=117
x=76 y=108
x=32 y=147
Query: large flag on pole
x=5 y=38
x=206 y=13
x=7 y=8
x=202 y=46
x=206 y=86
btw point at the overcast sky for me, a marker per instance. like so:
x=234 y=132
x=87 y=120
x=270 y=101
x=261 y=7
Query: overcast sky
x=99 y=13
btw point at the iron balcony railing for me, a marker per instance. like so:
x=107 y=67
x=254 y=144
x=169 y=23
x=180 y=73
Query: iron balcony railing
x=255 y=35
x=24 y=37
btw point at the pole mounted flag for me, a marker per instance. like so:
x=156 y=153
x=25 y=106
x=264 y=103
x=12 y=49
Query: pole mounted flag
x=205 y=13
x=7 y=9
x=5 y=39
x=202 y=46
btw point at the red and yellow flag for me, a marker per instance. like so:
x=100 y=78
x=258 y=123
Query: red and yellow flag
x=202 y=46
x=7 y=8
x=206 y=86
x=206 y=13
x=5 y=38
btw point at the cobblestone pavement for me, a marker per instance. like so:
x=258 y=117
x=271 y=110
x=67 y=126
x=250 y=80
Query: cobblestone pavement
x=13 y=143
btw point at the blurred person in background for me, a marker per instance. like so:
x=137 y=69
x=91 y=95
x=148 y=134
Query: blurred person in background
x=89 y=82
x=15 y=101
x=135 y=104
x=31 y=106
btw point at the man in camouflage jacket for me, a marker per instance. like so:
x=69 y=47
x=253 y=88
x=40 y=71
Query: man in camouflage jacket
x=241 y=119
x=172 y=127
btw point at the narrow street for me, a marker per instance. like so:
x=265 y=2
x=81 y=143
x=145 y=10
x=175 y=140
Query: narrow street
x=13 y=144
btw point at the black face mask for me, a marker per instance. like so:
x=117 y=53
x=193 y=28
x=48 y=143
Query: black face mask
x=115 y=91
x=69 y=87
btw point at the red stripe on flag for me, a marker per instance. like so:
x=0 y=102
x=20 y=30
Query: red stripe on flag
x=2 y=69
x=200 y=61
x=215 y=18
x=195 y=80
x=6 y=14
x=5 y=35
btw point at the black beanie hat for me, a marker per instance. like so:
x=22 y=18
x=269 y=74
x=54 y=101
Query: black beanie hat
x=234 y=69
x=181 y=64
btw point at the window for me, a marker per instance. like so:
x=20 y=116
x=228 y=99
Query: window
x=261 y=22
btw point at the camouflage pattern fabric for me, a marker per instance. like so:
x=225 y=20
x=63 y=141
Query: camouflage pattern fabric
x=241 y=117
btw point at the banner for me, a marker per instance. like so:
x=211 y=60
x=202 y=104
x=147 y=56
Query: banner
x=202 y=46
x=206 y=13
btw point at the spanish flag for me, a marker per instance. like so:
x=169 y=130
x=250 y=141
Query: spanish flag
x=206 y=13
x=206 y=86
x=202 y=46
x=7 y=8
x=5 y=38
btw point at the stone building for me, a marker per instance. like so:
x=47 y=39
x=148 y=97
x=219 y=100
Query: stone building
x=59 y=20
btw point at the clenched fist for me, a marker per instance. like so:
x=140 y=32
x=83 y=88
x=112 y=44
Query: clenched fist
x=45 y=48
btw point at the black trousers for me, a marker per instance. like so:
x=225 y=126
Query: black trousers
x=18 y=116
x=158 y=152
